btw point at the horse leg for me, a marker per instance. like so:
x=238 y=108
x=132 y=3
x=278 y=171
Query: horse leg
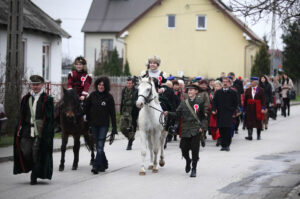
x=156 y=143
x=143 y=152
x=150 y=146
x=63 y=148
x=76 y=148
x=162 y=143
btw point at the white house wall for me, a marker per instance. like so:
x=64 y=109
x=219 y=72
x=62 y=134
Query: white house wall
x=34 y=54
x=3 y=44
x=92 y=47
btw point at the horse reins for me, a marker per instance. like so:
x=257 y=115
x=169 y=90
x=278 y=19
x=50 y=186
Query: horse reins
x=162 y=121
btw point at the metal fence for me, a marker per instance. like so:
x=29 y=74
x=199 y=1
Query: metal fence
x=56 y=90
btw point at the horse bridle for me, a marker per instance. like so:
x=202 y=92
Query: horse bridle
x=148 y=99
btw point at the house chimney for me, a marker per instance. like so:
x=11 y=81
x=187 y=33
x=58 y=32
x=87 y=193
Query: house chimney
x=58 y=21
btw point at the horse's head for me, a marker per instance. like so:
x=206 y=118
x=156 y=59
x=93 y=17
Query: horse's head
x=70 y=104
x=146 y=91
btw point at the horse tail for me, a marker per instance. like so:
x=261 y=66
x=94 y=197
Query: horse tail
x=88 y=139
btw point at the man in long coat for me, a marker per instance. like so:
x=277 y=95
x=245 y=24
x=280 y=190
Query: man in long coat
x=254 y=106
x=225 y=103
x=33 y=142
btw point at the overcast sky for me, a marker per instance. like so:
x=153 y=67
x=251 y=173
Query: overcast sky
x=73 y=14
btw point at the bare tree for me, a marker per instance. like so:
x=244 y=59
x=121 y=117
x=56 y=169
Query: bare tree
x=286 y=10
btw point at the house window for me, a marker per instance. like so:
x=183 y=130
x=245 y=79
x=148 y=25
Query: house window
x=107 y=46
x=201 y=22
x=171 y=21
x=46 y=61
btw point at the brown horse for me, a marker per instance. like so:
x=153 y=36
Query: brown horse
x=72 y=123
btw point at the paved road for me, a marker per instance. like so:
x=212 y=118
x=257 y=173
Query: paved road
x=268 y=168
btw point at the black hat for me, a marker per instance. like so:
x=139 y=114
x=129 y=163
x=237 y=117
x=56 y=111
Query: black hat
x=193 y=86
x=36 y=79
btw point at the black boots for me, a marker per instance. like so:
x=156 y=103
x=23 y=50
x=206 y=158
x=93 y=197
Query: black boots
x=250 y=131
x=194 y=167
x=33 y=179
x=258 y=134
x=188 y=165
x=129 y=146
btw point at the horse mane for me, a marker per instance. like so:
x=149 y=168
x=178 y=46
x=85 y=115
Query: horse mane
x=70 y=95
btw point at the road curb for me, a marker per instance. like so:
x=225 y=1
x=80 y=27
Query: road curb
x=55 y=150
x=11 y=158
x=295 y=103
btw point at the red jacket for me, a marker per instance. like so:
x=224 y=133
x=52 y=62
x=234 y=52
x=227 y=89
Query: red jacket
x=80 y=81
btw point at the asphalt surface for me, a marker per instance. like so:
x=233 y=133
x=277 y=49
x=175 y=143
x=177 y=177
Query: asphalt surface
x=269 y=168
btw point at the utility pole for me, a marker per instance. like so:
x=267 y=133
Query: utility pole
x=273 y=37
x=14 y=69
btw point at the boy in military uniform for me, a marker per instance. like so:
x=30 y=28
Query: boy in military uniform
x=129 y=111
x=192 y=113
x=33 y=142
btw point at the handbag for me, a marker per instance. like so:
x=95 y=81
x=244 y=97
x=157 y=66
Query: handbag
x=291 y=94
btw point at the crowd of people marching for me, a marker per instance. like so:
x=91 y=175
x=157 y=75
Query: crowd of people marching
x=194 y=109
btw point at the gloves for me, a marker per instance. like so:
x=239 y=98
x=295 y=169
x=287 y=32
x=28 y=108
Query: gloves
x=112 y=135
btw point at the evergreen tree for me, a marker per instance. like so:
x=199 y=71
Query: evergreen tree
x=261 y=64
x=291 y=52
x=126 y=69
x=114 y=66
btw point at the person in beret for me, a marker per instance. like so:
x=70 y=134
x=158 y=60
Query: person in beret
x=33 y=140
x=254 y=107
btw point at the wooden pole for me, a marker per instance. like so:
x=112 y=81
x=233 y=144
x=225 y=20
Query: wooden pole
x=14 y=67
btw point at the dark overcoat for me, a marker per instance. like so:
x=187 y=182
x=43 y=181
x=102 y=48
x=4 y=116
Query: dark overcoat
x=44 y=165
x=252 y=121
x=225 y=103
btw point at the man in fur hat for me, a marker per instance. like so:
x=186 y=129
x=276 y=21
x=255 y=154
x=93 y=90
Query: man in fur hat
x=33 y=142
x=167 y=97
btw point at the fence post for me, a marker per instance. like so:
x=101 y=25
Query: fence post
x=48 y=88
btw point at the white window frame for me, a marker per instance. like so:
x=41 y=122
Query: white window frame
x=46 y=74
x=24 y=53
x=205 y=22
x=169 y=15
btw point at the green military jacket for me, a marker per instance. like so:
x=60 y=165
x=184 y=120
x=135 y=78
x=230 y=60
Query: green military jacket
x=190 y=126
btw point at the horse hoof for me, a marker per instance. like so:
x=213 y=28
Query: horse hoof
x=142 y=173
x=161 y=163
x=74 y=167
x=61 y=167
x=150 y=167
x=155 y=170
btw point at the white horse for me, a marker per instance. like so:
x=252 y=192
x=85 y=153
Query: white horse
x=151 y=130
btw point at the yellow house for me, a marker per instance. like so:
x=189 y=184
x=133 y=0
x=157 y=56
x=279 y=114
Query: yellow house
x=192 y=37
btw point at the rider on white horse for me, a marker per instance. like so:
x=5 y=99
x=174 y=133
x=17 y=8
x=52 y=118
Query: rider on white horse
x=166 y=95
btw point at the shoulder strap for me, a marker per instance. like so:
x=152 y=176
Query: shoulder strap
x=191 y=110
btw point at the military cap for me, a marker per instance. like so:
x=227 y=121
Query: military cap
x=36 y=79
x=193 y=86
x=254 y=78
